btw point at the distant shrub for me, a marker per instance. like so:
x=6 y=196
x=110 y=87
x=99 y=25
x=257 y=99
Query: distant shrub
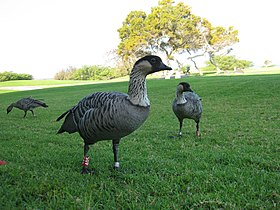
x=227 y=63
x=65 y=74
x=7 y=76
x=186 y=69
x=268 y=63
x=93 y=73
x=88 y=73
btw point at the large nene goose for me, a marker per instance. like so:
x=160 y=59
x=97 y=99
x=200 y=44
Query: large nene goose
x=187 y=105
x=113 y=115
x=26 y=104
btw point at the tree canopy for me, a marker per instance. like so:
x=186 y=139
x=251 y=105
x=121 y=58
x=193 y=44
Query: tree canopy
x=172 y=30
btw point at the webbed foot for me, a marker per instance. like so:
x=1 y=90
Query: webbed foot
x=174 y=137
x=87 y=171
x=116 y=166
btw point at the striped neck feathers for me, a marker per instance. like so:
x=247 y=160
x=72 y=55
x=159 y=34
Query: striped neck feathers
x=180 y=97
x=137 y=90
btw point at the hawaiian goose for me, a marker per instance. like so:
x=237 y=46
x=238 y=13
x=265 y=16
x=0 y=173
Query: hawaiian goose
x=112 y=115
x=187 y=105
x=26 y=104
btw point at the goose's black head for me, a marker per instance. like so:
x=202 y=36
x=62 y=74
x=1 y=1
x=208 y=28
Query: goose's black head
x=150 y=64
x=184 y=87
x=9 y=108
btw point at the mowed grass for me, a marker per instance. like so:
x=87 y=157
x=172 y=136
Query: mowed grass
x=40 y=82
x=234 y=165
x=15 y=83
x=11 y=86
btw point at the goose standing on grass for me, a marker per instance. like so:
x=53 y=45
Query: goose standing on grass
x=112 y=115
x=26 y=104
x=187 y=105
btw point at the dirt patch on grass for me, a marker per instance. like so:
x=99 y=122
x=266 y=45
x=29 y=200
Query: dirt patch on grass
x=21 y=88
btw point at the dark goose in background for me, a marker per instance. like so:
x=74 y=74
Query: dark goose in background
x=27 y=104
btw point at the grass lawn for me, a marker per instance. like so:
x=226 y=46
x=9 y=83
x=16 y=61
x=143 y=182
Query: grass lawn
x=18 y=85
x=40 y=82
x=247 y=71
x=234 y=165
x=54 y=83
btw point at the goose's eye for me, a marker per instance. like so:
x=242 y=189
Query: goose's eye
x=153 y=60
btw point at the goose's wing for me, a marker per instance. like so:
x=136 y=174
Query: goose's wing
x=193 y=104
x=112 y=119
x=37 y=103
x=24 y=103
x=191 y=96
x=30 y=103
x=174 y=105
x=94 y=110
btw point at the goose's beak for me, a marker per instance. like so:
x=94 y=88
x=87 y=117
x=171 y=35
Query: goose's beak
x=164 y=67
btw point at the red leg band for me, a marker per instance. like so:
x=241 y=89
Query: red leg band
x=85 y=161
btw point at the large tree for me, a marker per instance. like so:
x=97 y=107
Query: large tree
x=218 y=41
x=132 y=35
x=172 y=30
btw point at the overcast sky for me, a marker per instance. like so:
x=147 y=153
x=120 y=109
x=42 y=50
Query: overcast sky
x=41 y=37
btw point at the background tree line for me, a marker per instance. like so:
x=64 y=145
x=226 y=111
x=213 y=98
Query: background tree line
x=89 y=73
x=8 y=75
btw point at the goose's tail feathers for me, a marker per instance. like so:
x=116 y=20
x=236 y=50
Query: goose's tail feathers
x=69 y=124
x=62 y=116
x=40 y=103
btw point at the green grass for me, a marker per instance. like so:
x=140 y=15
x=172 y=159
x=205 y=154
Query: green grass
x=247 y=71
x=234 y=165
x=263 y=70
x=18 y=85
x=56 y=82
x=39 y=82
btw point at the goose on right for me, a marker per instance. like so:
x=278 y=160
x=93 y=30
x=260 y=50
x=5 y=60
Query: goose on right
x=187 y=104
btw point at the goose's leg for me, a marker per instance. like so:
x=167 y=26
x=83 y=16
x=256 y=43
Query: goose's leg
x=85 y=163
x=115 y=150
x=180 y=129
x=25 y=112
x=197 y=129
x=32 y=112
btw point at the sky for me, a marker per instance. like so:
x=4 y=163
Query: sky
x=42 y=37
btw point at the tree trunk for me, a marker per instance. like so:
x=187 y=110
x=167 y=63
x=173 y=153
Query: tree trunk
x=211 y=59
x=200 y=72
